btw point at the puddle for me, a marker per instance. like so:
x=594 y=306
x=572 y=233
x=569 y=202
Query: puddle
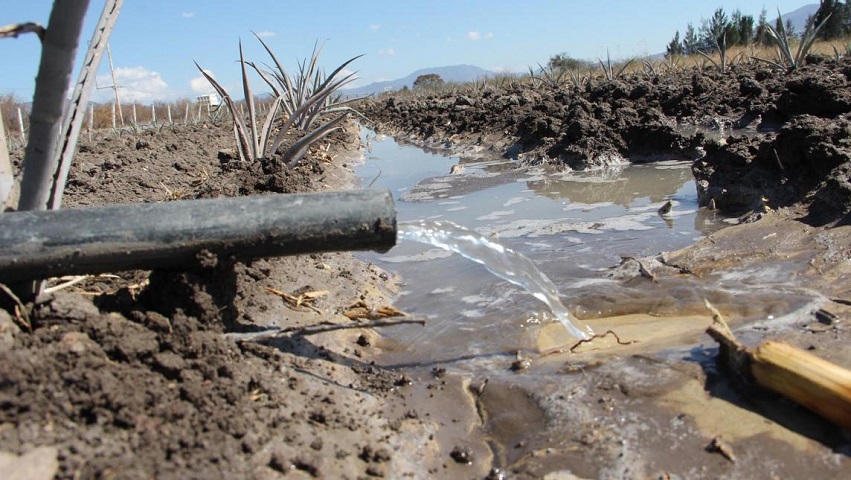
x=575 y=226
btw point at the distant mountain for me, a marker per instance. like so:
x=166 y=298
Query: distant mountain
x=469 y=73
x=798 y=17
x=454 y=73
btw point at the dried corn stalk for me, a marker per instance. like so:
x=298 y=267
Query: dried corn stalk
x=820 y=386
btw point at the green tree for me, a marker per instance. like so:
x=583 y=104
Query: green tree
x=831 y=12
x=713 y=32
x=761 y=36
x=790 y=29
x=732 y=29
x=563 y=61
x=846 y=17
x=743 y=25
x=675 y=48
x=429 y=80
x=690 y=42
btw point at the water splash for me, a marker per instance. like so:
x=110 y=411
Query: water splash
x=503 y=262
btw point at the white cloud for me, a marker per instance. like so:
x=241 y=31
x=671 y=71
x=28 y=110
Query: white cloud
x=374 y=26
x=387 y=52
x=137 y=84
x=187 y=14
x=200 y=85
x=476 y=36
x=266 y=33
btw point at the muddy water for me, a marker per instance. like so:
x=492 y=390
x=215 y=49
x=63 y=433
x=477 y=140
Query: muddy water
x=577 y=227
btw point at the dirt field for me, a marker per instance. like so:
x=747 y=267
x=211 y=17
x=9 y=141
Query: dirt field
x=150 y=375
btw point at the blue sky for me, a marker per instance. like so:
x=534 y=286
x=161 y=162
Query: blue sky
x=155 y=41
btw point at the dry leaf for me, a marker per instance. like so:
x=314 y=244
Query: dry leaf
x=303 y=300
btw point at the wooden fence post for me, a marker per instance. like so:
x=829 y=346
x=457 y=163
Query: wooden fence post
x=21 y=123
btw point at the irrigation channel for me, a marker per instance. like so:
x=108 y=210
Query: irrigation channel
x=577 y=228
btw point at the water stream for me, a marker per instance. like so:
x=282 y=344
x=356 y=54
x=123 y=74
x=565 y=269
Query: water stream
x=503 y=262
x=553 y=239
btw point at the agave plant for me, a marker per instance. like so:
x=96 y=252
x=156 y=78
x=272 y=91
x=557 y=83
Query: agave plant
x=609 y=70
x=303 y=99
x=306 y=97
x=650 y=68
x=551 y=76
x=251 y=142
x=310 y=93
x=721 y=46
x=786 y=59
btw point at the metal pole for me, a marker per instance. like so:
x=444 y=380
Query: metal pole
x=44 y=244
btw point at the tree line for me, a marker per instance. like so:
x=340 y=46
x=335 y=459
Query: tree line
x=738 y=29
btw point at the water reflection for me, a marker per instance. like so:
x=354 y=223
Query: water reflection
x=620 y=186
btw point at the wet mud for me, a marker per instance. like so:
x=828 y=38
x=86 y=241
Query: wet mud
x=647 y=400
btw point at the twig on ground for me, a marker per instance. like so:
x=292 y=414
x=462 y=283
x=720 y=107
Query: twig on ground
x=323 y=327
x=589 y=340
x=718 y=318
x=330 y=327
x=67 y=283
x=75 y=279
x=21 y=314
x=601 y=335
x=374 y=179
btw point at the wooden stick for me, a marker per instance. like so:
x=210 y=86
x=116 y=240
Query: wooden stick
x=815 y=383
x=820 y=386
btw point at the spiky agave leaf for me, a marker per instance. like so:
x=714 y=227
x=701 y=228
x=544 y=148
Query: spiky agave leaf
x=252 y=110
x=294 y=154
x=781 y=41
x=624 y=67
x=309 y=82
x=266 y=133
x=319 y=107
x=807 y=40
x=267 y=77
x=239 y=129
x=338 y=109
x=282 y=77
x=301 y=111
